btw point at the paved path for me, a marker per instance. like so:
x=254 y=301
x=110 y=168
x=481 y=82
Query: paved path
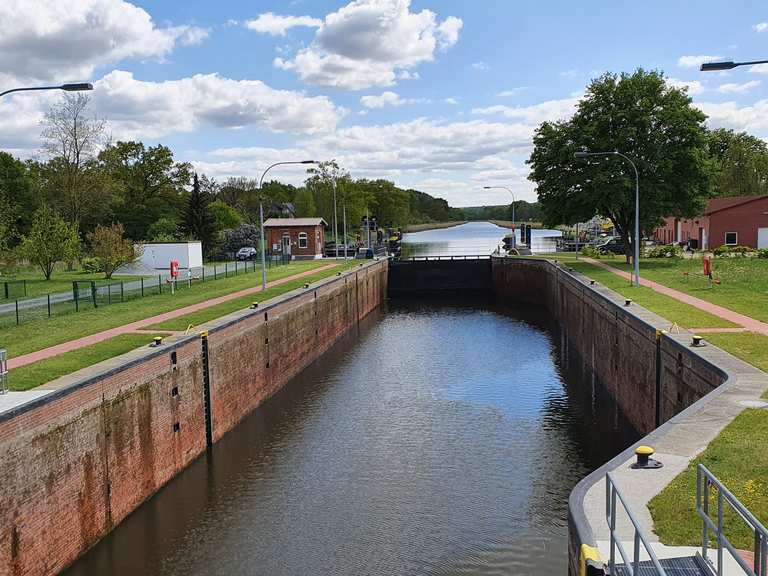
x=744 y=321
x=133 y=326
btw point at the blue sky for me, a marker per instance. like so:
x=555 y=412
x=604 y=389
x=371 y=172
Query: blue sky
x=439 y=96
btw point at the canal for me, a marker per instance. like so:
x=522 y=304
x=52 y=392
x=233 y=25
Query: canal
x=441 y=438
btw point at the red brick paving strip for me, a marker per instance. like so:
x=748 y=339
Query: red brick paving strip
x=106 y=334
x=745 y=321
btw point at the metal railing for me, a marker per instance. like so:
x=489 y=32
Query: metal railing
x=3 y=372
x=705 y=481
x=457 y=257
x=612 y=495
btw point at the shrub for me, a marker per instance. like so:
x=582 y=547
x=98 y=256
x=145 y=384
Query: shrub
x=734 y=251
x=762 y=253
x=91 y=265
x=592 y=252
x=664 y=251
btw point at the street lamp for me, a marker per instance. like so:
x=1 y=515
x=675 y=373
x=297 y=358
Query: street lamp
x=728 y=65
x=75 y=87
x=261 y=217
x=584 y=155
x=513 y=205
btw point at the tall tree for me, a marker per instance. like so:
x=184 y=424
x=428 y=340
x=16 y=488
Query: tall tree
x=112 y=250
x=71 y=137
x=741 y=163
x=198 y=222
x=147 y=182
x=50 y=240
x=639 y=115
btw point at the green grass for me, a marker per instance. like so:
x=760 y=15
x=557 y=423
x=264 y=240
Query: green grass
x=38 y=373
x=61 y=281
x=38 y=334
x=743 y=281
x=738 y=458
x=684 y=315
x=748 y=346
x=201 y=316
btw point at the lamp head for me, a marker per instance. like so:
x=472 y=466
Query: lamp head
x=77 y=86
x=581 y=154
x=308 y=162
x=714 y=66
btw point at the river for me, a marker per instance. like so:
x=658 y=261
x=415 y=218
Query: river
x=442 y=438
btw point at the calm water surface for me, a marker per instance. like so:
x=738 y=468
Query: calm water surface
x=472 y=238
x=442 y=438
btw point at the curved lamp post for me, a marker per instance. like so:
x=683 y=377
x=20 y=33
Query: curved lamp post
x=584 y=155
x=728 y=65
x=261 y=217
x=513 y=204
x=76 y=87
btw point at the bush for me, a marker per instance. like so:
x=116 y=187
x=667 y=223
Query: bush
x=664 y=251
x=734 y=251
x=91 y=265
x=762 y=253
x=593 y=252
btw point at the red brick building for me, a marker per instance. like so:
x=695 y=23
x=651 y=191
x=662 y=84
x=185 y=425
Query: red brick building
x=741 y=220
x=299 y=238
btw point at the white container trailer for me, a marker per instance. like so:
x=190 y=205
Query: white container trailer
x=158 y=255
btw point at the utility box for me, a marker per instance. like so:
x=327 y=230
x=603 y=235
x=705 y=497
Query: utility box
x=159 y=255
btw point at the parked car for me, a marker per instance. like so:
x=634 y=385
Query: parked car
x=246 y=253
x=614 y=245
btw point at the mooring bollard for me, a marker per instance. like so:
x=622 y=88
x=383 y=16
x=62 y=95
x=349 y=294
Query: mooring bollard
x=254 y=305
x=697 y=341
x=644 y=460
x=157 y=341
x=627 y=302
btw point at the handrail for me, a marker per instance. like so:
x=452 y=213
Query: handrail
x=705 y=480
x=612 y=492
x=3 y=372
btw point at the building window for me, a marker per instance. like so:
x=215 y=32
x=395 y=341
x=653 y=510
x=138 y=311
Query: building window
x=302 y=239
x=731 y=238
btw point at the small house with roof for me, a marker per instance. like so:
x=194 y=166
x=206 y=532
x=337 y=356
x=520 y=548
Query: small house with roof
x=295 y=238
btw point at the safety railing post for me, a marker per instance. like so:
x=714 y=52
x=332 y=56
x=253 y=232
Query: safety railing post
x=719 y=532
x=142 y=287
x=49 y=304
x=159 y=284
x=17 y=312
x=122 y=291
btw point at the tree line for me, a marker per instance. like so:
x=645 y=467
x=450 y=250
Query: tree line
x=91 y=193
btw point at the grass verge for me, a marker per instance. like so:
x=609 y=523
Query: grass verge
x=202 y=316
x=38 y=334
x=684 y=315
x=736 y=457
x=38 y=373
x=61 y=281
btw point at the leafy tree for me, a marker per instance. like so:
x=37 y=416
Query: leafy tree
x=147 y=183
x=304 y=202
x=225 y=215
x=198 y=222
x=17 y=198
x=50 y=240
x=243 y=235
x=111 y=249
x=71 y=137
x=638 y=115
x=741 y=162
x=164 y=229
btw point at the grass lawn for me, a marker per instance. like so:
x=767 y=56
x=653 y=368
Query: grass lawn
x=61 y=281
x=38 y=334
x=201 y=316
x=738 y=458
x=684 y=315
x=44 y=371
x=743 y=281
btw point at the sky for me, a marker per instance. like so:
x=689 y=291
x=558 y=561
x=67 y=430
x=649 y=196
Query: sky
x=441 y=96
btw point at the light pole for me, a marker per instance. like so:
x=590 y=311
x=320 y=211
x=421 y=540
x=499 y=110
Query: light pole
x=513 y=206
x=728 y=65
x=584 y=155
x=261 y=217
x=76 y=87
x=335 y=220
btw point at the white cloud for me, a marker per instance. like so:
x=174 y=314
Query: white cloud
x=694 y=87
x=753 y=119
x=535 y=114
x=66 y=41
x=732 y=88
x=277 y=25
x=513 y=92
x=384 y=99
x=137 y=108
x=759 y=69
x=451 y=101
x=369 y=43
x=695 y=61
x=480 y=66
x=761 y=27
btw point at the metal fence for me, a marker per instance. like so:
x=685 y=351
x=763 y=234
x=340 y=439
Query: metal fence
x=87 y=295
x=705 y=483
x=13 y=289
x=3 y=372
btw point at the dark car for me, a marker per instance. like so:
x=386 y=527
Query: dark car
x=246 y=253
x=614 y=245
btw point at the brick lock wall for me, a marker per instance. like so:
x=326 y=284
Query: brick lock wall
x=76 y=463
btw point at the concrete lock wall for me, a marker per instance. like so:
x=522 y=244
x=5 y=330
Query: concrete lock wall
x=75 y=463
x=651 y=378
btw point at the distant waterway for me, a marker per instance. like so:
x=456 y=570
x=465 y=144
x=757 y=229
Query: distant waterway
x=470 y=239
x=442 y=438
